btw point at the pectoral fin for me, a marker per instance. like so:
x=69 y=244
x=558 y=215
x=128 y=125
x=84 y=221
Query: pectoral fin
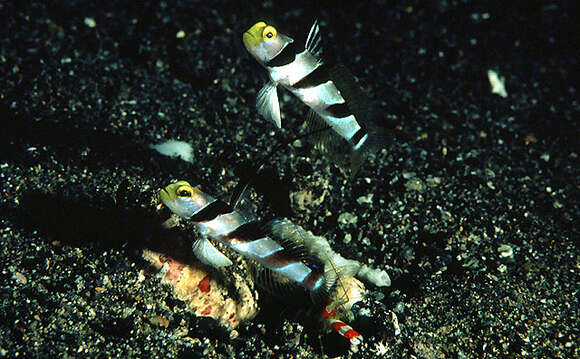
x=268 y=105
x=210 y=255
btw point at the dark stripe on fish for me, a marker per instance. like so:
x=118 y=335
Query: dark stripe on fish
x=248 y=232
x=315 y=78
x=355 y=139
x=285 y=57
x=282 y=258
x=315 y=264
x=311 y=279
x=339 y=110
x=211 y=211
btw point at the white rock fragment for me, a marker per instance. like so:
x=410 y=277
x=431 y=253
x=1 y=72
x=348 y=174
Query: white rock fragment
x=378 y=277
x=505 y=251
x=415 y=184
x=174 y=148
x=395 y=324
x=502 y=268
x=381 y=349
x=347 y=238
x=180 y=34
x=368 y=199
x=347 y=218
x=497 y=83
x=90 y=22
x=433 y=181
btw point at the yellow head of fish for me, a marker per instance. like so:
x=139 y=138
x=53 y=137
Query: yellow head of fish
x=264 y=42
x=183 y=199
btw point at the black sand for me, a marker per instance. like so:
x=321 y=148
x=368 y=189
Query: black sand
x=87 y=87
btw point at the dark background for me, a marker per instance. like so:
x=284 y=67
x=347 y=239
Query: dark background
x=469 y=171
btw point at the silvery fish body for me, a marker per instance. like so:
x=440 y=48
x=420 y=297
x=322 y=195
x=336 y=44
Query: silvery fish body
x=217 y=220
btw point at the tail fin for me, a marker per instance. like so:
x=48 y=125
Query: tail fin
x=326 y=140
x=336 y=296
x=373 y=143
x=338 y=150
x=364 y=109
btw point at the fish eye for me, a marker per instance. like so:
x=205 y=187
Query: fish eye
x=269 y=33
x=184 y=191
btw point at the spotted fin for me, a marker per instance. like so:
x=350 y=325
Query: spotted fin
x=313 y=42
x=210 y=255
x=295 y=239
x=289 y=235
x=268 y=105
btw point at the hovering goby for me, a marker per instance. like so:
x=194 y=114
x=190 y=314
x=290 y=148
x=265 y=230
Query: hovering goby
x=330 y=92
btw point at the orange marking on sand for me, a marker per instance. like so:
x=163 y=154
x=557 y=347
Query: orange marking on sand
x=204 y=284
x=174 y=272
x=396 y=39
x=207 y=310
x=530 y=139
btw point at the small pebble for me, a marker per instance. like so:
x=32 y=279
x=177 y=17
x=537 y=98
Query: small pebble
x=347 y=218
x=20 y=278
x=90 y=22
x=415 y=184
x=368 y=199
x=505 y=251
x=347 y=238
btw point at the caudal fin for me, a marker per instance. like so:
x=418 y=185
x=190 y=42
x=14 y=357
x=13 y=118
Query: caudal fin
x=372 y=144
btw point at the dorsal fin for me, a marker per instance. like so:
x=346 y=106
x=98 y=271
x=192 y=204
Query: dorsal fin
x=293 y=236
x=313 y=41
x=356 y=100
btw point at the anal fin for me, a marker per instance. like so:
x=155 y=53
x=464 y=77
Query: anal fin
x=277 y=285
x=327 y=141
x=268 y=105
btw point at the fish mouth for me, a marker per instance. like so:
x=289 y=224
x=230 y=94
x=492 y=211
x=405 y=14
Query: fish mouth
x=249 y=40
x=163 y=211
x=163 y=197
